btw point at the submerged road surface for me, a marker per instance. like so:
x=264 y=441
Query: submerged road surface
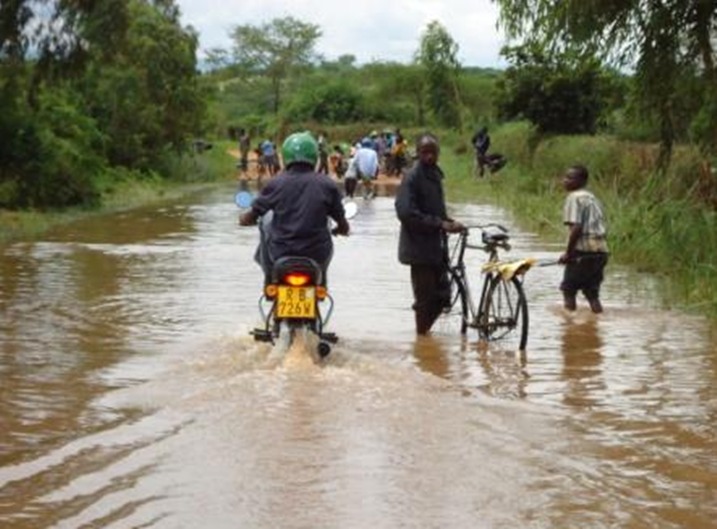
x=131 y=394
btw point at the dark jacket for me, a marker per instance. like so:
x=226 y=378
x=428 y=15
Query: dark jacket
x=421 y=208
x=481 y=142
x=302 y=202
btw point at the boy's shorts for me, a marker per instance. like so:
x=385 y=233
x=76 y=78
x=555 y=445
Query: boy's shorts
x=584 y=273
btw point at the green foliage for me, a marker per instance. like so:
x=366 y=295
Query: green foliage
x=47 y=156
x=378 y=93
x=336 y=101
x=393 y=92
x=109 y=83
x=560 y=94
x=479 y=92
x=19 y=144
x=661 y=40
x=238 y=102
x=437 y=55
x=275 y=49
x=66 y=141
x=150 y=99
x=703 y=128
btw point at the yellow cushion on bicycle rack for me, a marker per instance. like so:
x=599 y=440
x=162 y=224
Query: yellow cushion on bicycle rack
x=509 y=270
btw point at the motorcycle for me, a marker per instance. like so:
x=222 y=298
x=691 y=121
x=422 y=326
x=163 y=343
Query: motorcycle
x=295 y=300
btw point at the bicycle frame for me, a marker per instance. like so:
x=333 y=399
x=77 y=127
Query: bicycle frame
x=502 y=307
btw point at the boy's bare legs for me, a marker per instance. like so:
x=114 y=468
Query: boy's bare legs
x=595 y=305
x=594 y=301
x=569 y=301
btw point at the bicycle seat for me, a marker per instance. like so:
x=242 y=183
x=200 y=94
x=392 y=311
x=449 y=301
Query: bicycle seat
x=494 y=237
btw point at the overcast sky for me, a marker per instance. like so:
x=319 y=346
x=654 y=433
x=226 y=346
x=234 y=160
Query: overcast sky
x=371 y=30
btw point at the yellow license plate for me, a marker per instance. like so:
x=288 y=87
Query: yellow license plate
x=296 y=302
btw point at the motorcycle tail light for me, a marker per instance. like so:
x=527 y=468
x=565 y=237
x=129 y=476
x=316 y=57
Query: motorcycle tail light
x=321 y=292
x=297 y=279
x=270 y=291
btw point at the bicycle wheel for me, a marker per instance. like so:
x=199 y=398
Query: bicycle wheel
x=503 y=314
x=455 y=314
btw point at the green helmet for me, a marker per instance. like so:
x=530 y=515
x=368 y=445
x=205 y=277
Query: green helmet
x=300 y=147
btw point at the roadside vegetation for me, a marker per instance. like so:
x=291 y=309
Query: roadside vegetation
x=103 y=104
x=662 y=223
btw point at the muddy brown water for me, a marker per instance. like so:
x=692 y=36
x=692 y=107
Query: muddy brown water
x=132 y=396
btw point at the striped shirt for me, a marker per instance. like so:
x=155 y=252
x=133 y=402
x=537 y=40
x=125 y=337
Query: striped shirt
x=583 y=208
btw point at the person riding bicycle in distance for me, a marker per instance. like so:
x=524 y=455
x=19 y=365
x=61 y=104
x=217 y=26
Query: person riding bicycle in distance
x=421 y=208
x=300 y=202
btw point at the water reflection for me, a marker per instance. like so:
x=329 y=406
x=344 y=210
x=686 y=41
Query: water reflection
x=581 y=350
x=506 y=372
x=132 y=395
x=430 y=356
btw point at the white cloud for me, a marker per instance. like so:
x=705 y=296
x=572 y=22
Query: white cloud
x=384 y=30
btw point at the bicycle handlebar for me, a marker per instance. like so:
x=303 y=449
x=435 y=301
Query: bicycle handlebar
x=475 y=247
x=485 y=226
x=488 y=245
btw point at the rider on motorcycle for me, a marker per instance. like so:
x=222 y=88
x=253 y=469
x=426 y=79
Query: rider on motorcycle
x=300 y=201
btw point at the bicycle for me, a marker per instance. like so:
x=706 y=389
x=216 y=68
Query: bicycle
x=502 y=310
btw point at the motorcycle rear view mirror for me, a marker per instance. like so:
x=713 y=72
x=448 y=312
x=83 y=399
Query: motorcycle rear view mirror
x=350 y=209
x=243 y=199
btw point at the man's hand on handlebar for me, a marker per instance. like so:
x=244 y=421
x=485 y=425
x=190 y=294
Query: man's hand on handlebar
x=452 y=226
x=248 y=218
x=342 y=228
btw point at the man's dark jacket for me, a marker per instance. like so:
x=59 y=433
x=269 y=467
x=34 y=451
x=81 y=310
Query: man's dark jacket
x=302 y=202
x=421 y=208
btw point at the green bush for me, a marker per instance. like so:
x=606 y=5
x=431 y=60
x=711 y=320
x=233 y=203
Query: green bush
x=336 y=101
x=60 y=147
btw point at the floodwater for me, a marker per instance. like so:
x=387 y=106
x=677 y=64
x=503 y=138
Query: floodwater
x=133 y=396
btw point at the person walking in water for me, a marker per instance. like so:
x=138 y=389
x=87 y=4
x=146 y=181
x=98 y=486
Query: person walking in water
x=421 y=208
x=586 y=253
x=366 y=161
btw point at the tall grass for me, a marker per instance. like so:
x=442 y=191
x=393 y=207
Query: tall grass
x=661 y=223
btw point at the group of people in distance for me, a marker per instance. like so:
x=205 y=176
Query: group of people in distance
x=267 y=158
x=303 y=199
x=361 y=162
x=375 y=153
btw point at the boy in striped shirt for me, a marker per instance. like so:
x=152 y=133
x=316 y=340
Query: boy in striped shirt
x=586 y=253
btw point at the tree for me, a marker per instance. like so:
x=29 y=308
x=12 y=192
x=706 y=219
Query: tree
x=90 y=84
x=658 y=38
x=148 y=99
x=437 y=55
x=402 y=83
x=275 y=49
x=561 y=93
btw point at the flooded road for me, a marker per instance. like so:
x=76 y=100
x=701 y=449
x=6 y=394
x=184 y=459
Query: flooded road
x=133 y=396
